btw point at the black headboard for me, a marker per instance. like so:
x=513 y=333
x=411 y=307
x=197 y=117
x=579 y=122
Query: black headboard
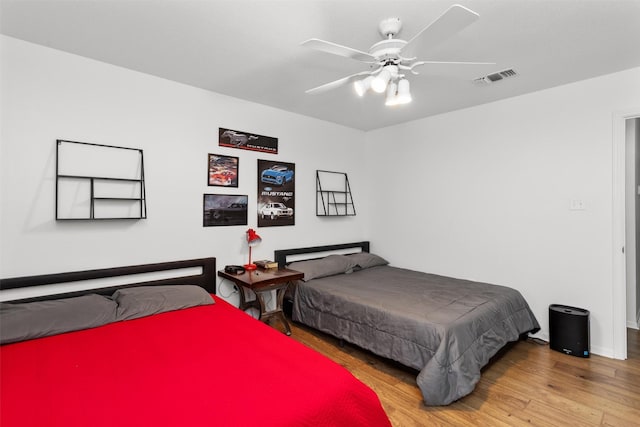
x=280 y=256
x=206 y=280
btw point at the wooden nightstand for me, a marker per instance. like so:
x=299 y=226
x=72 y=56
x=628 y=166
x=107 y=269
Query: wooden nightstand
x=260 y=282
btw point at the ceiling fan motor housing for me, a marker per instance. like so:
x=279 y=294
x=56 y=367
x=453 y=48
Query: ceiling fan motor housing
x=390 y=26
x=387 y=49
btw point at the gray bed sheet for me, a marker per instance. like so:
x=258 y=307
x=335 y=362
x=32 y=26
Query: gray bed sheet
x=446 y=328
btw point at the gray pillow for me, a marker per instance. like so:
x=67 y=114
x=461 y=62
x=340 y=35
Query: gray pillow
x=366 y=260
x=147 y=300
x=322 y=267
x=24 y=321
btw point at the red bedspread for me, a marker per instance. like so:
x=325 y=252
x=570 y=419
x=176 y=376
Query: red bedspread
x=203 y=366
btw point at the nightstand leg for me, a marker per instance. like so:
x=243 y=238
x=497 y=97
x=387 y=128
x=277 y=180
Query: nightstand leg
x=265 y=316
x=280 y=295
x=285 y=323
x=263 y=306
x=244 y=304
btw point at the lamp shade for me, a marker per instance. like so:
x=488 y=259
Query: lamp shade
x=252 y=237
x=379 y=83
x=252 y=240
x=404 y=94
x=362 y=86
x=392 y=96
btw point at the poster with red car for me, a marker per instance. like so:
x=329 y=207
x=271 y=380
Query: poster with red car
x=223 y=170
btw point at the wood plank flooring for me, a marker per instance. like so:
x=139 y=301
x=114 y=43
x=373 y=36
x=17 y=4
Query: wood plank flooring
x=528 y=384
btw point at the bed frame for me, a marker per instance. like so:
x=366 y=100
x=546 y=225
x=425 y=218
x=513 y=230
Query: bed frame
x=206 y=279
x=281 y=256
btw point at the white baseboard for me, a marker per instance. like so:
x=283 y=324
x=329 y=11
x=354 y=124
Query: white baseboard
x=634 y=325
x=541 y=335
x=595 y=349
x=603 y=351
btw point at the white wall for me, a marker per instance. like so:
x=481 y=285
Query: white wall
x=49 y=95
x=636 y=288
x=481 y=193
x=484 y=193
x=631 y=219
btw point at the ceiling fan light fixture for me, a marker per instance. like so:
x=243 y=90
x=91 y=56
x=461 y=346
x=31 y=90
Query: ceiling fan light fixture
x=404 y=93
x=362 y=86
x=380 y=82
x=398 y=94
x=392 y=95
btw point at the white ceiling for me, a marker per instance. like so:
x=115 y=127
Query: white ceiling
x=251 y=49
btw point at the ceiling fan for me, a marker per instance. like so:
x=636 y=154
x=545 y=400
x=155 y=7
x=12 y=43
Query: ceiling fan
x=391 y=57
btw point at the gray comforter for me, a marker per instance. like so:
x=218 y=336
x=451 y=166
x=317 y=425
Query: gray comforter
x=446 y=328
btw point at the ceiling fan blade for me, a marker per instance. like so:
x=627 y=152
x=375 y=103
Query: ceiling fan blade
x=336 y=49
x=453 y=20
x=454 y=62
x=419 y=63
x=337 y=83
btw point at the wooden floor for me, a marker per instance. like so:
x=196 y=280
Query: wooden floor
x=528 y=384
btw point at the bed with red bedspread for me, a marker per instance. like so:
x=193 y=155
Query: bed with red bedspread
x=209 y=365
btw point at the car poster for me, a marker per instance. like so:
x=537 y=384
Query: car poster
x=224 y=209
x=276 y=193
x=247 y=141
x=223 y=170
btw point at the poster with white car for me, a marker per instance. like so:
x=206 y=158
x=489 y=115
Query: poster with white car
x=276 y=193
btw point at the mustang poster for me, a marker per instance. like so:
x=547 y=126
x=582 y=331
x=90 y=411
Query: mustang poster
x=223 y=170
x=276 y=193
x=224 y=209
x=247 y=141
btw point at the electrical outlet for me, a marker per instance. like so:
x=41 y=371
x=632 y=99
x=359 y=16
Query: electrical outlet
x=577 y=205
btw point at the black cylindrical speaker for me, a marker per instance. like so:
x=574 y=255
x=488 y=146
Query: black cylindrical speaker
x=569 y=330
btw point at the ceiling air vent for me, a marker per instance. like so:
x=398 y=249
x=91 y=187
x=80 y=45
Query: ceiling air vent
x=494 y=77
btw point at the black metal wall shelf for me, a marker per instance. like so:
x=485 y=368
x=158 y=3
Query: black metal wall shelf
x=333 y=194
x=83 y=196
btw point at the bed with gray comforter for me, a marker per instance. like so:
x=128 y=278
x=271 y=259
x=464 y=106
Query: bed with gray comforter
x=445 y=328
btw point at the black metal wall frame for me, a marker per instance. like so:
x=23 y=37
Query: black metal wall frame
x=92 y=179
x=334 y=202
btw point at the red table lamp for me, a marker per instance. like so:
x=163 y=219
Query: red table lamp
x=252 y=239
